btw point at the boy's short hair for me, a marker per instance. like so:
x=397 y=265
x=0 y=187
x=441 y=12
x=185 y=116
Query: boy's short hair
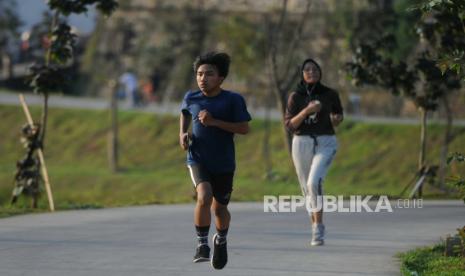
x=220 y=60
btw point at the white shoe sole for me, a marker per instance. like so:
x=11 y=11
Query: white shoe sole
x=200 y=260
x=317 y=243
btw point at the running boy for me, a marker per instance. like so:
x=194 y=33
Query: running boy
x=216 y=115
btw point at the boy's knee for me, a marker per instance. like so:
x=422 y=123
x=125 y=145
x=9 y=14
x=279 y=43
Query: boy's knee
x=220 y=210
x=204 y=198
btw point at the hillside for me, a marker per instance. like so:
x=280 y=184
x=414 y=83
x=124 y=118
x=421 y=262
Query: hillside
x=372 y=159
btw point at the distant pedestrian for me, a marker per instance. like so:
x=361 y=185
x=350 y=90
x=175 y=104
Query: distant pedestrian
x=155 y=79
x=129 y=81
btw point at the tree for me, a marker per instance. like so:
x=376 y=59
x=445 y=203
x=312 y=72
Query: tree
x=191 y=37
x=50 y=75
x=243 y=37
x=283 y=39
x=445 y=28
x=416 y=78
x=447 y=19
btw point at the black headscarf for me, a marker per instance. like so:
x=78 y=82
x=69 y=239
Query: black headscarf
x=302 y=86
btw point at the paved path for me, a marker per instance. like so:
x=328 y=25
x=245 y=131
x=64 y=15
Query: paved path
x=7 y=98
x=159 y=240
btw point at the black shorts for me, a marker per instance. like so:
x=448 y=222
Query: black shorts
x=221 y=183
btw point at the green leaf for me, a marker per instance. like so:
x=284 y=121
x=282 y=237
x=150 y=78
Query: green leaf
x=450 y=159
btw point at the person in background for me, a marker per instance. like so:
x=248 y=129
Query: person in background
x=129 y=82
x=313 y=110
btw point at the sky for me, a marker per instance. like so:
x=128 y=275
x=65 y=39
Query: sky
x=30 y=12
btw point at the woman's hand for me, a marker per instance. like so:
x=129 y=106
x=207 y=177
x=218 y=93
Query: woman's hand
x=336 y=119
x=313 y=107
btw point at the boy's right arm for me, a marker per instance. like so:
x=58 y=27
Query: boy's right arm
x=184 y=136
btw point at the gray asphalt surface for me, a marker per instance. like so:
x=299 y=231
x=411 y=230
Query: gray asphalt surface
x=160 y=240
x=7 y=98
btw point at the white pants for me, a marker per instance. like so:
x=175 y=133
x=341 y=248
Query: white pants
x=311 y=163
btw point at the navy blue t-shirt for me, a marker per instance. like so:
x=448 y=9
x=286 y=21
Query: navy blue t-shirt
x=211 y=146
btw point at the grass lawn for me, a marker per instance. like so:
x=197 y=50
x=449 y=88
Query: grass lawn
x=429 y=261
x=372 y=159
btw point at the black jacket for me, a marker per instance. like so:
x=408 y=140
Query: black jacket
x=321 y=124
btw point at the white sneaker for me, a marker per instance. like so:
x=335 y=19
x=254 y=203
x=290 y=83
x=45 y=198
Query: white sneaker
x=318 y=234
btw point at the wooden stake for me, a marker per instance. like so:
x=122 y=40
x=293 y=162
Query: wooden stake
x=41 y=156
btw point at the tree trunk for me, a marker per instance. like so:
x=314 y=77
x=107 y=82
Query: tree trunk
x=48 y=59
x=288 y=135
x=266 y=142
x=282 y=105
x=113 y=135
x=198 y=29
x=421 y=159
x=282 y=75
x=43 y=123
x=445 y=144
x=35 y=201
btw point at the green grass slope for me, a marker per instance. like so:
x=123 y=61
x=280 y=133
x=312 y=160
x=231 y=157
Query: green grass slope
x=372 y=159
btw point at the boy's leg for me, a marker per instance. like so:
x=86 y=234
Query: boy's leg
x=202 y=218
x=222 y=216
x=222 y=220
x=222 y=188
x=202 y=215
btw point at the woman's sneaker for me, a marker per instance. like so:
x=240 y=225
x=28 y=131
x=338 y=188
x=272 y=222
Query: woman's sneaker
x=220 y=252
x=202 y=254
x=318 y=234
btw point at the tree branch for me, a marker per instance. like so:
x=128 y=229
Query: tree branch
x=297 y=38
x=274 y=42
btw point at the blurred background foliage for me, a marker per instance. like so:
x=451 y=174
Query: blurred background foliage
x=163 y=36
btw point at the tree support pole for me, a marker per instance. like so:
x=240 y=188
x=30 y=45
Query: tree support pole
x=41 y=156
